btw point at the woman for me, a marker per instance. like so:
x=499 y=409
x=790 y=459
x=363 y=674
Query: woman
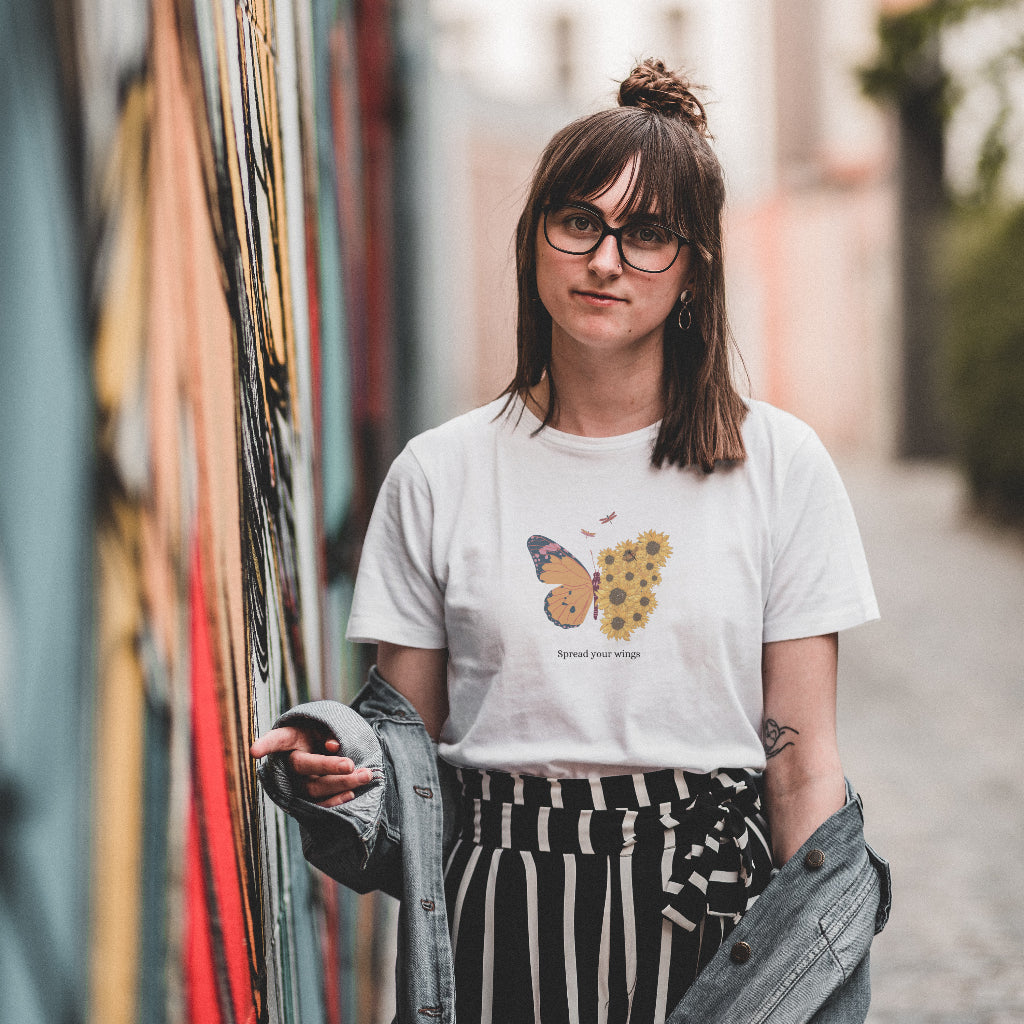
x=612 y=596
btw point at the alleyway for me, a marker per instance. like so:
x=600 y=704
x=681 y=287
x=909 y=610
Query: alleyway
x=932 y=733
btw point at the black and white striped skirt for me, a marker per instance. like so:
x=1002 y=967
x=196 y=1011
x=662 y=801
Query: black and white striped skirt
x=597 y=901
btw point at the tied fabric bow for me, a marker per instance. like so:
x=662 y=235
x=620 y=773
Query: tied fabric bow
x=716 y=874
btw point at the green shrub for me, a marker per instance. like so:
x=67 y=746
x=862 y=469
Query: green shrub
x=984 y=270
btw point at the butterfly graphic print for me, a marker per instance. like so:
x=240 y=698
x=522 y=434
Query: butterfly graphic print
x=576 y=589
x=622 y=590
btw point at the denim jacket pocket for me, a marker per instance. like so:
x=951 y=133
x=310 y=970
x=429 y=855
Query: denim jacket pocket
x=846 y=926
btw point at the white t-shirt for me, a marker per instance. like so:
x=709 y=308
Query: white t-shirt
x=485 y=539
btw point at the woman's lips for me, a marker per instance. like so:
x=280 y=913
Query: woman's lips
x=599 y=298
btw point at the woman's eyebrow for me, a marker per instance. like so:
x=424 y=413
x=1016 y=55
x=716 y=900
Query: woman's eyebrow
x=583 y=203
x=637 y=217
x=648 y=217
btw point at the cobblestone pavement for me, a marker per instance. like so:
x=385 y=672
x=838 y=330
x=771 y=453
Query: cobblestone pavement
x=932 y=734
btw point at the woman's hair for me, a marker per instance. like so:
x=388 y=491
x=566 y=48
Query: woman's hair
x=661 y=122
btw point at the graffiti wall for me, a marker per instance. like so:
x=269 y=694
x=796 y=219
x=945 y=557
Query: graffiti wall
x=240 y=411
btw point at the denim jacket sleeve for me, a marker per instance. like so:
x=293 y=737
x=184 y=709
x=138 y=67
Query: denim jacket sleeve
x=800 y=953
x=359 y=842
x=356 y=843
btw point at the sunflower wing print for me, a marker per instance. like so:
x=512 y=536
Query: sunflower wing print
x=630 y=574
x=622 y=590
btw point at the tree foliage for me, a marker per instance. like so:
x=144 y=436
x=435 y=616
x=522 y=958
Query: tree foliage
x=984 y=347
x=980 y=266
x=908 y=66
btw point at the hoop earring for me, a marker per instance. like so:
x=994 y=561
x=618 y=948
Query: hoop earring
x=686 y=299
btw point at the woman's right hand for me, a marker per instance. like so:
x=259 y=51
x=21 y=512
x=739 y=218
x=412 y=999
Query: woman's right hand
x=321 y=773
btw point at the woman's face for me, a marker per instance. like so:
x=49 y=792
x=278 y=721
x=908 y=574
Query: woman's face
x=599 y=303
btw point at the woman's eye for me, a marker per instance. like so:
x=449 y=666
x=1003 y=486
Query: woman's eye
x=580 y=222
x=648 y=234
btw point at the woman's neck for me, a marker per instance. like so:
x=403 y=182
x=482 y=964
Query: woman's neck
x=602 y=398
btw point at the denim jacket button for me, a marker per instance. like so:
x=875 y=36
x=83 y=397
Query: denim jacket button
x=814 y=859
x=740 y=953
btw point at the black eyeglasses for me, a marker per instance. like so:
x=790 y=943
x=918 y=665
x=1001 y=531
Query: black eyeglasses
x=578 y=229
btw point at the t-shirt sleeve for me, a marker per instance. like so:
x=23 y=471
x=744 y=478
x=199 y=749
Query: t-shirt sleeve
x=819 y=576
x=398 y=598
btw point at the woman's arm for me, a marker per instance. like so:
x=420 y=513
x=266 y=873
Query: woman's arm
x=804 y=778
x=421 y=676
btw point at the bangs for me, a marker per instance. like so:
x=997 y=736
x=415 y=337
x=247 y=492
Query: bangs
x=664 y=177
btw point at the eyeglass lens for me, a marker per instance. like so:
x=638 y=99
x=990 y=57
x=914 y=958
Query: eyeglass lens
x=644 y=246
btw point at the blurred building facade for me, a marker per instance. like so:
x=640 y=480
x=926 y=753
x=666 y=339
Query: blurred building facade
x=811 y=214
x=195 y=321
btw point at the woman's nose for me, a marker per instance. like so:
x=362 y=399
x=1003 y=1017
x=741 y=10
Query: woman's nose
x=604 y=260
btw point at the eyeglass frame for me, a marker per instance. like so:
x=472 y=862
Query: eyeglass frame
x=616 y=233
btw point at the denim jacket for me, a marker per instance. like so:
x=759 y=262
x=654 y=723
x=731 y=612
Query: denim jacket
x=800 y=954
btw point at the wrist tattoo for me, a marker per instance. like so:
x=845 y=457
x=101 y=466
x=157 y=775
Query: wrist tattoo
x=773 y=736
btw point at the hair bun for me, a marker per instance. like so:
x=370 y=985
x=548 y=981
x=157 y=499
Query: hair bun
x=651 y=86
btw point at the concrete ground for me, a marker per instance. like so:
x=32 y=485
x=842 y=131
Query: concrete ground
x=931 y=712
